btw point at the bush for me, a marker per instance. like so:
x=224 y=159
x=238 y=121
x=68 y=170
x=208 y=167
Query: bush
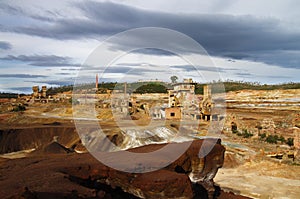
x=19 y=108
x=234 y=128
x=235 y=131
x=262 y=136
x=272 y=139
x=247 y=134
x=281 y=139
x=290 y=141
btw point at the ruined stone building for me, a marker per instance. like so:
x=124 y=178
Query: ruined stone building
x=173 y=113
x=207 y=104
x=120 y=101
x=296 y=131
x=183 y=103
x=40 y=96
x=35 y=92
x=183 y=90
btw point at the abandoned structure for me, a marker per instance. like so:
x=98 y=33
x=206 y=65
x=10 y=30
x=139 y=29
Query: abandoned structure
x=296 y=131
x=181 y=91
x=44 y=91
x=182 y=101
x=207 y=104
x=157 y=112
x=120 y=101
x=173 y=113
x=40 y=96
x=35 y=90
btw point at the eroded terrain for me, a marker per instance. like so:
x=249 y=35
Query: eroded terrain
x=250 y=164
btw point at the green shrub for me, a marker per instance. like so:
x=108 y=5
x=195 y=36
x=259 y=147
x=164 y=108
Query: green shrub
x=281 y=139
x=263 y=135
x=272 y=139
x=235 y=131
x=247 y=134
x=20 y=107
x=290 y=141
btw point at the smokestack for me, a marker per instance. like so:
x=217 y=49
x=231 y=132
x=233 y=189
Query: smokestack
x=96 y=81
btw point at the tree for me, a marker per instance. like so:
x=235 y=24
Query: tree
x=174 y=79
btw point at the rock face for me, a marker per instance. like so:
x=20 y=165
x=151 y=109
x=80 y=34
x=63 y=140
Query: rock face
x=12 y=140
x=201 y=168
x=65 y=175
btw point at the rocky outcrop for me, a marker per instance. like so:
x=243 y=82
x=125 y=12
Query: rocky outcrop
x=64 y=175
x=173 y=181
x=12 y=140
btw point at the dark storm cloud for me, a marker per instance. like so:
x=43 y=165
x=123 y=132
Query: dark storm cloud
x=136 y=64
x=70 y=69
x=21 y=76
x=22 y=89
x=238 y=37
x=65 y=73
x=153 y=51
x=5 y=45
x=49 y=16
x=122 y=69
x=60 y=82
x=243 y=74
x=41 y=60
x=130 y=69
x=249 y=75
x=278 y=76
x=191 y=68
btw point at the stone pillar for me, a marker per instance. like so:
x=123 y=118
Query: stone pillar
x=44 y=90
x=35 y=90
x=207 y=92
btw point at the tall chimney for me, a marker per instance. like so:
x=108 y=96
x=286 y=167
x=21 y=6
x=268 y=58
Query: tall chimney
x=96 y=81
x=125 y=88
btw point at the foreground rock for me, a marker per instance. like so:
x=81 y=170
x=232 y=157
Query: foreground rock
x=82 y=176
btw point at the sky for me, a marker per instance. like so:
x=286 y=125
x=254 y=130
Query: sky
x=51 y=42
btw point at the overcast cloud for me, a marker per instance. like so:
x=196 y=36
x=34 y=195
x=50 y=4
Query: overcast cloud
x=41 y=60
x=250 y=36
x=5 y=45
